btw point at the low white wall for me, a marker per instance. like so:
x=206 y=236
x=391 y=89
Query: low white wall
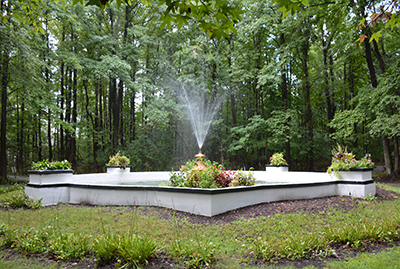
x=103 y=189
x=49 y=195
x=123 y=177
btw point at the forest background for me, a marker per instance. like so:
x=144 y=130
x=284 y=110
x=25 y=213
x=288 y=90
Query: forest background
x=87 y=83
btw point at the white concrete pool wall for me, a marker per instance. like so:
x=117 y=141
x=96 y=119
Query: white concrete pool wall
x=105 y=189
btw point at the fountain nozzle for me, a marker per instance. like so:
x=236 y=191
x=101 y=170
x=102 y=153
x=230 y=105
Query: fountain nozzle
x=199 y=163
x=199 y=155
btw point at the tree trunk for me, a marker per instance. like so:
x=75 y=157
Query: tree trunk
x=326 y=45
x=68 y=100
x=374 y=82
x=39 y=137
x=3 y=126
x=112 y=104
x=49 y=134
x=386 y=154
x=285 y=101
x=62 y=74
x=370 y=64
x=396 y=155
x=307 y=98
x=74 y=120
x=89 y=115
x=20 y=157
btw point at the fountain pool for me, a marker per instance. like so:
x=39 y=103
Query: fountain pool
x=121 y=187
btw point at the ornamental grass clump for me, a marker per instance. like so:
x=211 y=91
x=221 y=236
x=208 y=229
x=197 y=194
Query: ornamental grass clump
x=277 y=159
x=344 y=161
x=118 y=160
x=204 y=174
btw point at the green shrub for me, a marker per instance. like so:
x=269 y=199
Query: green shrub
x=20 y=199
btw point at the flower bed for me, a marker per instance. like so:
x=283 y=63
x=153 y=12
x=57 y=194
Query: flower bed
x=47 y=165
x=204 y=174
x=344 y=161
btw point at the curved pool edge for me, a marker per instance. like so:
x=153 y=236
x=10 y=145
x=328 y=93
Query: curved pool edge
x=206 y=202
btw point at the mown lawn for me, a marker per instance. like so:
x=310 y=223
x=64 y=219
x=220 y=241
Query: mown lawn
x=70 y=233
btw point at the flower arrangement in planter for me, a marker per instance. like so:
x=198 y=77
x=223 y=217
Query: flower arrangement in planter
x=277 y=159
x=209 y=175
x=118 y=160
x=47 y=165
x=344 y=161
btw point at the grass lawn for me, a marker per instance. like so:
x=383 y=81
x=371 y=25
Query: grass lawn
x=69 y=233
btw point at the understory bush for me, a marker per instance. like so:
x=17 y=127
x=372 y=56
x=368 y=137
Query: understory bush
x=20 y=199
x=204 y=174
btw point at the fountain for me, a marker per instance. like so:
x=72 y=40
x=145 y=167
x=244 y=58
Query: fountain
x=200 y=112
x=134 y=189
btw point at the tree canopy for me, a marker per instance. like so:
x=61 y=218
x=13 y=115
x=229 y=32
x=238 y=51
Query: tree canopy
x=79 y=82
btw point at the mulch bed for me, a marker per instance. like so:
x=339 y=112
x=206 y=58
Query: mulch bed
x=266 y=209
x=311 y=206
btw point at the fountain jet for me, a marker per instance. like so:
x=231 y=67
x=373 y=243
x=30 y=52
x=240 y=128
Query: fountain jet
x=200 y=112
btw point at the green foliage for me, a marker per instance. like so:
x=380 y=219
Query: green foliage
x=119 y=160
x=268 y=55
x=33 y=241
x=216 y=18
x=7 y=236
x=70 y=246
x=274 y=237
x=128 y=249
x=15 y=187
x=204 y=174
x=20 y=199
x=290 y=6
x=105 y=248
x=277 y=159
x=342 y=160
x=194 y=253
x=131 y=249
x=47 y=165
x=135 y=249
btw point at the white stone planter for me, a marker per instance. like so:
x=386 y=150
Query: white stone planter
x=360 y=174
x=50 y=176
x=117 y=169
x=276 y=169
x=51 y=186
